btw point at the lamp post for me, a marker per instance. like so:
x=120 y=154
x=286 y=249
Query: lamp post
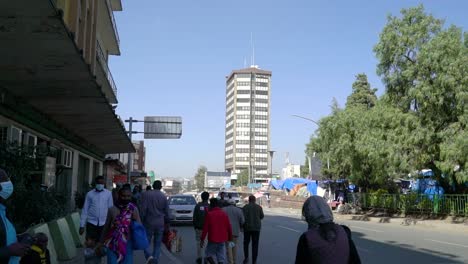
x=271 y=163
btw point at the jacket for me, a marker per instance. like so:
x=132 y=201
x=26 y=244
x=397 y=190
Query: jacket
x=312 y=248
x=236 y=217
x=253 y=214
x=217 y=226
x=4 y=252
x=199 y=214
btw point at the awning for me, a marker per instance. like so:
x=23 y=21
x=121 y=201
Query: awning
x=41 y=65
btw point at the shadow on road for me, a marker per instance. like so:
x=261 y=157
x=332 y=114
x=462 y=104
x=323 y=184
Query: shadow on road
x=371 y=251
x=398 y=252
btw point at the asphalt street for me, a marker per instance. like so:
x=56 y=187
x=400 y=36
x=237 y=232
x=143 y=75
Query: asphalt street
x=376 y=243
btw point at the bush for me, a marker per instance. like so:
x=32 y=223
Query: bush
x=29 y=205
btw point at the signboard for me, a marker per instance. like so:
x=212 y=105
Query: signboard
x=163 y=127
x=49 y=171
x=216 y=179
x=120 y=179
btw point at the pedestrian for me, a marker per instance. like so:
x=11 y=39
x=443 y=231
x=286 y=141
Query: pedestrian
x=218 y=229
x=39 y=254
x=136 y=196
x=117 y=233
x=236 y=217
x=10 y=249
x=155 y=215
x=222 y=199
x=94 y=213
x=199 y=215
x=324 y=241
x=253 y=214
x=268 y=199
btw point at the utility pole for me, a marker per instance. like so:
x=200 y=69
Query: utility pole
x=271 y=163
x=130 y=160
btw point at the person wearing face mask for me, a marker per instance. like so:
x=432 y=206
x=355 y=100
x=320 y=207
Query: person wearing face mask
x=10 y=249
x=94 y=213
x=116 y=236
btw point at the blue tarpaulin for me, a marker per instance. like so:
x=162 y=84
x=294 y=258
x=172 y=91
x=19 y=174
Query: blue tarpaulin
x=289 y=184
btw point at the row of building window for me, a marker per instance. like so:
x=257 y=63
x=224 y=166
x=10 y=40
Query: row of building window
x=257 y=160
x=247 y=142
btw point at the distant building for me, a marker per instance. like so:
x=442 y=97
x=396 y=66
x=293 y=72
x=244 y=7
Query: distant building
x=171 y=186
x=247 y=131
x=217 y=180
x=291 y=170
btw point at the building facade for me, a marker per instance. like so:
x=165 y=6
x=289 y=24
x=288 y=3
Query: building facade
x=57 y=90
x=247 y=131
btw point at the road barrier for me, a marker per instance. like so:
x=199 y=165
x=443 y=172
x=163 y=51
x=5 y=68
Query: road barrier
x=432 y=204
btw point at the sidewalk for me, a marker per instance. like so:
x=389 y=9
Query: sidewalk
x=138 y=257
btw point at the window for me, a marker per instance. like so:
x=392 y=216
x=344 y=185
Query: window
x=243 y=100
x=15 y=135
x=67 y=158
x=3 y=135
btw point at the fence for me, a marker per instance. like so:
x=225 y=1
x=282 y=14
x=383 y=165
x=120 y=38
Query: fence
x=448 y=204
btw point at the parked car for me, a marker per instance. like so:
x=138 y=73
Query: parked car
x=181 y=208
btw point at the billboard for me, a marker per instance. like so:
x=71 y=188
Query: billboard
x=163 y=127
x=217 y=180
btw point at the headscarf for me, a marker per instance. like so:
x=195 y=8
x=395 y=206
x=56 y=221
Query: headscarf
x=316 y=211
x=119 y=233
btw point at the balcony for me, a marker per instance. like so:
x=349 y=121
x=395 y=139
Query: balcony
x=107 y=28
x=104 y=75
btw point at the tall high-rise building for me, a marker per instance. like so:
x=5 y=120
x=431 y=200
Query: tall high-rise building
x=248 y=121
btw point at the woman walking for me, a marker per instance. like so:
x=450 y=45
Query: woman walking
x=117 y=230
x=325 y=241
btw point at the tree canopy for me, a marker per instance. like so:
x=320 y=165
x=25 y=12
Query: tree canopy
x=421 y=119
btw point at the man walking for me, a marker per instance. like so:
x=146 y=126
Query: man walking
x=199 y=215
x=236 y=217
x=155 y=218
x=253 y=214
x=94 y=213
x=218 y=229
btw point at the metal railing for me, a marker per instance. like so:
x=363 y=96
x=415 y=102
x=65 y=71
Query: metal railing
x=114 y=25
x=102 y=60
x=432 y=204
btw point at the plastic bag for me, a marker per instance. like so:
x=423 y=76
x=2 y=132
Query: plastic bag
x=139 y=237
x=168 y=239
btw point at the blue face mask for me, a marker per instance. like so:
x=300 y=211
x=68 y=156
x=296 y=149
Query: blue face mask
x=99 y=187
x=7 y=189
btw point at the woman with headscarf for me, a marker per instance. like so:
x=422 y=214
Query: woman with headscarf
x=116 y=232
x=324 y=241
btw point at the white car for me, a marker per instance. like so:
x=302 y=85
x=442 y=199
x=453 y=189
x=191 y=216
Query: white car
x=181 y=208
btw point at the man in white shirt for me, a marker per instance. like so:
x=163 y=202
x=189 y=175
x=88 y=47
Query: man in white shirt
x=94 y=213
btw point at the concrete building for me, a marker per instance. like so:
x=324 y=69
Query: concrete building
x=291 y=170
x=57 y=92
x=247 y=131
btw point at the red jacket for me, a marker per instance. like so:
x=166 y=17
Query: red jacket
x=217 y=226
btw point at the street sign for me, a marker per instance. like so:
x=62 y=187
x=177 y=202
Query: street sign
x=163 y=127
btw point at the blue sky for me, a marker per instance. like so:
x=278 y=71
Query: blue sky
x=176 y=54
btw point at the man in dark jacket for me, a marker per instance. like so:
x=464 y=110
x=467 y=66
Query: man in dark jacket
x=253 y=214
x=10 y=249
x=198 y=220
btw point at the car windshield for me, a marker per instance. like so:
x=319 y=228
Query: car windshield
x=233 y=195
x=182 y=200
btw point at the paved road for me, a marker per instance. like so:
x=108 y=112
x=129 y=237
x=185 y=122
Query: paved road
x=377 y=243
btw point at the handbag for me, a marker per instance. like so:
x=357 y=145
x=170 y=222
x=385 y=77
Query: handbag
x=139 y=236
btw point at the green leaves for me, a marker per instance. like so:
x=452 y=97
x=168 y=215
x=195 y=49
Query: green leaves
x=200 y=178
x=420 y=121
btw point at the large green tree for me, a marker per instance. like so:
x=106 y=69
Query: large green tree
x=243 y=178
x=424 y=67
x=200 y=177
x=362 y=95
